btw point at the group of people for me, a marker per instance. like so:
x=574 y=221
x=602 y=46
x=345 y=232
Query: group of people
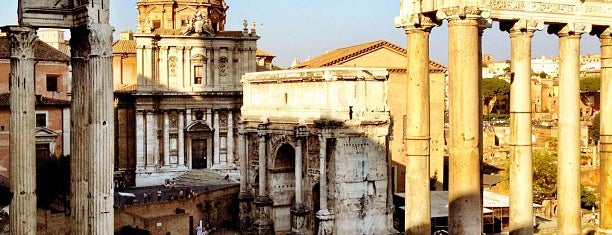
x=170 y=194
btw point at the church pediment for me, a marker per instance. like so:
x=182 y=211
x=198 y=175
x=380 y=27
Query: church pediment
x=198 y=127
x=45 y=132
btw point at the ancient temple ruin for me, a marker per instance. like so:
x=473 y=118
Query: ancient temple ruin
x=313 y=149
x=467 y=19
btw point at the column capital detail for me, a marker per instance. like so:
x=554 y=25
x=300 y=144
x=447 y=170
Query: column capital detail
x=418 y=22
x=521 y=26
x=21 y=40
x=92 y=40
x=603 y=33
x=462 y=13
x=570 y=29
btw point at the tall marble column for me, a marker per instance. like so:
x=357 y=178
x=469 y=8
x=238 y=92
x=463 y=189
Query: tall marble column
x=521 y=173
x=166 y=139
x=605 y=136
x=568 y=165
x=216 y=157
x=465 y=208
x=230 y=139
x=92 y=195
x=417 y=137
x=141 y=158
x=264 y=223
x=299 y=211
x=244 y=197
x=324 y=215
x=22 y=130
x=181 y=139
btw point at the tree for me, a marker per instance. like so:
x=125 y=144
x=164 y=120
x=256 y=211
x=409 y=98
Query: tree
x=494 y=90
x=587 y=198
x=590 y=84
x=544 y=175
x=594 y=129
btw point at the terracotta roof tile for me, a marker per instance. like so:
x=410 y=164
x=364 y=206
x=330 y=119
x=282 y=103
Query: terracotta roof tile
x=124 y=46
x=42 y=101
x=42 y=51
x=261 y=52
x=341 y=55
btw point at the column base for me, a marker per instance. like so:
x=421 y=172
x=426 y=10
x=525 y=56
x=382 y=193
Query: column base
x=326 y=222
x=299 y=218
x=263 y=224
x=246 y=211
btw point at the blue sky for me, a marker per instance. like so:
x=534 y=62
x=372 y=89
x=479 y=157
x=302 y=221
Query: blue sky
x=303 y=28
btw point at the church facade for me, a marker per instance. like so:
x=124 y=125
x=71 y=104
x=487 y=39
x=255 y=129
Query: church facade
x=177 y=90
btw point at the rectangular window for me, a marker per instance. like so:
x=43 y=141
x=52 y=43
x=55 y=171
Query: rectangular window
x=51 y=82
x=156 y=24
x=41 y=119
x=197 y=74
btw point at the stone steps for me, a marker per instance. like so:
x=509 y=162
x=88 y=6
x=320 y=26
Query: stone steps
x=204 y=177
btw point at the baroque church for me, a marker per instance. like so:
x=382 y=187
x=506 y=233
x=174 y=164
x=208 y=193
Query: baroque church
x=177 y=90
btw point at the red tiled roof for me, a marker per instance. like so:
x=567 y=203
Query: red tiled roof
x=124 y=46
x=42 y=101
x=42 y=51
x=263 y=53
x=341 y=55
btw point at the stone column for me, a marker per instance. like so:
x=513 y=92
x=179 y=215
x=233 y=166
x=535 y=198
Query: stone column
x=299 y=211
x=92 y=163
x=181 y=139
x=264 y=223
x=465 y=208
x=151 y=145
x=244 y=197
x=216 y=157
x=166 y=140
x=417 y=137
x=230 y=139
x=605 y=137
x=22 y=130
x=141 y=158
x=568 y=166
x=326 y=218
x=521 y=173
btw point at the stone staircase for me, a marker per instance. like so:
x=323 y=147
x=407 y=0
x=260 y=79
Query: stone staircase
x=204 y=177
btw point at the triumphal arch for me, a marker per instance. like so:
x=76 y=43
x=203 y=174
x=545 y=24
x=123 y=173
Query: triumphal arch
x=569 y=20
x=92 y=121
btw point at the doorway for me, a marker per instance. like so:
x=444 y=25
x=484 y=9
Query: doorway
x=198 y=151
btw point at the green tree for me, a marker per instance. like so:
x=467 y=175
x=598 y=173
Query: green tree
x=543 y=74
x=494 y=90
x=544 y=175
x=587 y=198
x=590 y=84
x=594 y=129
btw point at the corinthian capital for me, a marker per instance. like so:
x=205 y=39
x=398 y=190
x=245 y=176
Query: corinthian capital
x=416 y=21
x=569 y=29
x=101 y=38
x=463 y=12
x=521 y=26
x=21 y=40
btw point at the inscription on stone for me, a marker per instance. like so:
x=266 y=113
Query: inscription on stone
x=283 y=188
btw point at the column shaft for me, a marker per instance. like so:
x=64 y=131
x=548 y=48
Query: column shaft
x=216 y=157
x=521 y=175
x=141 y=158
x=243 y=162
x=605 y=184
x=181 y=139
x=166 y=139
x=568 y=168
x=323 y=173
x=417 y=219
x=262 y=166
x=465 y=208
x=22 y=130
x=230 y=138
x=298 y=172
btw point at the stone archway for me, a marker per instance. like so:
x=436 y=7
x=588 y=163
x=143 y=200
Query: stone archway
x=282 y=186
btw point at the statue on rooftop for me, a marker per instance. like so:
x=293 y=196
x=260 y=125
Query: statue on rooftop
x=199 y=24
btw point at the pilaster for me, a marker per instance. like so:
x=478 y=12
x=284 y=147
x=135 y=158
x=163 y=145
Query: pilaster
x=263 y=224
x=141 y=157
x=216 y=139
x=521 y=173
x=181 y=139
x=166 y=139
x=22 y=130
x=605 y=138
x=245 y=198
x=230 y=139
x=465 y=136
x=417 y=136
x=568 y=166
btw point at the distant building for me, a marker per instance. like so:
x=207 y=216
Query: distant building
x=52 y=83
x=383 y=54
x=178 y=90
